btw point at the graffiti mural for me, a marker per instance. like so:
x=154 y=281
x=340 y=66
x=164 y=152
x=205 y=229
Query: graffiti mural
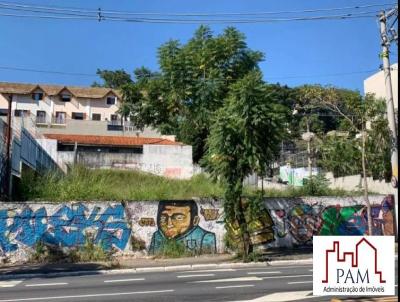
x=146 y=226
x=66 y=225
x=295 y=225
x=197 y=224
x=179 y=221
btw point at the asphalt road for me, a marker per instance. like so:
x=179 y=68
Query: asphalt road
x=272 y=283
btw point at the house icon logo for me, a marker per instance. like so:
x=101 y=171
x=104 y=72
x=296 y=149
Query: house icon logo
x=353 y=265
x=352 y=257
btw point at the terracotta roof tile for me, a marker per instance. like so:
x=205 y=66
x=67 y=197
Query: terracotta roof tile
x=80 y=92
x=110 y=140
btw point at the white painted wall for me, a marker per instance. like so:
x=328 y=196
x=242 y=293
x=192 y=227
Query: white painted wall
x=164 y=160
x=376 y=84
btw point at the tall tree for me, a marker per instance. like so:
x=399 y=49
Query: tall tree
x=192 y=84
x=245 y=136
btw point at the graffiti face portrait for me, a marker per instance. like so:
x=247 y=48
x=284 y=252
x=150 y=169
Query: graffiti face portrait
x=175 y=220
x=303 y=222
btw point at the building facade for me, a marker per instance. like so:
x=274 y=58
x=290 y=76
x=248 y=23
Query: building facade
x=158 y=156
x=376 y=84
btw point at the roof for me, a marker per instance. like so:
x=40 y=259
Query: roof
x=121 y=141
x=77 y=91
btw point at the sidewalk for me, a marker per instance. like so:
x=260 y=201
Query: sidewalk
x=145 y=264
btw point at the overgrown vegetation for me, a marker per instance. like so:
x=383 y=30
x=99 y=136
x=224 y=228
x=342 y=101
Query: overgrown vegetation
x=86 y=184
x=173 y=249
x=88 y=252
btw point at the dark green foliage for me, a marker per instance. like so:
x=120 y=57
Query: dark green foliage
x=193 y=83
x=245 y=136
x=113 y=78
x=316 y=186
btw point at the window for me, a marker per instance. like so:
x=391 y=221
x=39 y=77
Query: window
x=96 y=117
x=37 y=96
x=21 y=113
x=114 y=117
x=3 y=112
x=65 y=97
x=41 y=116
x=78 y=115
x=60 y=117
x=111 y=100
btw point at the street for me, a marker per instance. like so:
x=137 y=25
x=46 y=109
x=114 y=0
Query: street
x=272 y=283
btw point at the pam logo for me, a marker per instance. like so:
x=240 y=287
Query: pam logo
x=353 y=265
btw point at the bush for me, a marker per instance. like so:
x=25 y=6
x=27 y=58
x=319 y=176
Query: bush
x=173 y=249
x=316 y=186
x=90 y=251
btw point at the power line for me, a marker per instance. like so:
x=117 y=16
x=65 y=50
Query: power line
x=193 y=21
x=48 y=71
x=210 y=80
x=100 y=15
x=326 y=75
x=80 y=10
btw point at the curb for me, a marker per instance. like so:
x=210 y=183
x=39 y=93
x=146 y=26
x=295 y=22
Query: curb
x=156 y=269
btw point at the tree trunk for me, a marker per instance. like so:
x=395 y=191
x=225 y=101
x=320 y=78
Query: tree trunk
x=364 y=168
x=247 y=247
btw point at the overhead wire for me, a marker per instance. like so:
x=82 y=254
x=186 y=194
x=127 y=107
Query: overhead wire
x=48 y=12
x=206 y=79
x=80 y=10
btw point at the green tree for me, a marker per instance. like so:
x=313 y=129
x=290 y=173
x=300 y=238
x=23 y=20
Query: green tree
x=245 y=137
x=113 y=78
x=193 y=82
x=369 y=147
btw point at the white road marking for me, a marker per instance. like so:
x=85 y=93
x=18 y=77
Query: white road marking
x=294 y=266
x=212 y=270
x=230 y=280
x=193 y=276
x=11 y=283
x=89 y=296
x=299 y=282
x=286 y=296
x=123 y=280
x=233 y=286
x=281 y=277
x=46 y=284
x=258 y=273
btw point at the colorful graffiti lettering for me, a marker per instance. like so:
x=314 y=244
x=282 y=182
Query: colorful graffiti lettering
x=179 y=221
x=66 y=227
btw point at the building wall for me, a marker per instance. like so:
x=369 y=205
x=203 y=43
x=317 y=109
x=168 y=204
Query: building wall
x=52 y=104
x=376 y=84
x=355 y=182
x=164 y=160
x=96 y=128
x=137 y=226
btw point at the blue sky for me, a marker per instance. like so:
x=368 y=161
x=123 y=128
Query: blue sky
x=296 y=52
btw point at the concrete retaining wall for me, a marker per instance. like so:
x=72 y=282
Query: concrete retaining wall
x=146 y=226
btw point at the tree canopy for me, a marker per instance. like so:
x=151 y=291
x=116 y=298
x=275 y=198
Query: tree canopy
x=192 y=84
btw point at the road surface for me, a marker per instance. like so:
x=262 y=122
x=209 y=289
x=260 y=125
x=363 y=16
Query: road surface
x=272 y=283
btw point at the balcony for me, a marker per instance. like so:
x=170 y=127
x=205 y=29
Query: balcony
x=58 y=121
x=41 y=120
x=115 y=125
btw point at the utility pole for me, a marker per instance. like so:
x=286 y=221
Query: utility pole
x=383 y=17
